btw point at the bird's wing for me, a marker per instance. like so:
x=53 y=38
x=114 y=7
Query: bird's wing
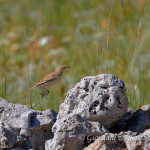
x=50 y=77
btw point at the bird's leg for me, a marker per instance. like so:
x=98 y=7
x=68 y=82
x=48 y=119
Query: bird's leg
x=46 y=90
x=43 y=93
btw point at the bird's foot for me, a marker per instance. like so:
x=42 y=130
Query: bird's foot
x=42 y=95
x=45 y=93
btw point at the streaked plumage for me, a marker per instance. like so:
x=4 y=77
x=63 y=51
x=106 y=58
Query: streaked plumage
x=50 y=79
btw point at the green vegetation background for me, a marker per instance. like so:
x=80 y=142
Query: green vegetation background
x=91 y=36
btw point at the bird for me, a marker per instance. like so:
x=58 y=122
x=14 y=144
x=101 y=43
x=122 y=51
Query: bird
x=49 y=80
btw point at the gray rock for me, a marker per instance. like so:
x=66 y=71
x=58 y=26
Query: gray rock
x=122 y=124
x=23 y=127
x=94 y=104
x=140 y=121
x=139 y=141
x=71 y=132
x=133 y=133
x=108 y=141
x=135 y=121
x=9 y=136
x=122 y=141
x=17 y=148
x=97 y=98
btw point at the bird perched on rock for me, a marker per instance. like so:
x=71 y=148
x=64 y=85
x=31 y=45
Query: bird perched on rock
x=50 y=80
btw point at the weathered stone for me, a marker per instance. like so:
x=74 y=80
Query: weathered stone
x=97 y=98
x=122 y=141
x=135 y=121
x=94 y=104
x=18 y=148
x=23 y=127
x=9 y=136
x=140 y=120
x=108 y=141
x=72 y=131
x=122 y=124
x=139 y=141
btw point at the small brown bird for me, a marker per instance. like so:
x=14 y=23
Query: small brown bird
x=50 y=80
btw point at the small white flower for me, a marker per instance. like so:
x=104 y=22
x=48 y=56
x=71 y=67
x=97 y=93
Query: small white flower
x=43 y=41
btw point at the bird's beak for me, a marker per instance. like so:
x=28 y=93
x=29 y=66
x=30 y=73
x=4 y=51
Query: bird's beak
x=67 y=67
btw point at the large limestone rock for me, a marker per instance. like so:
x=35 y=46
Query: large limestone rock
x=93 y=103
x=71 y=132
x=97 y=98
x=23 y=127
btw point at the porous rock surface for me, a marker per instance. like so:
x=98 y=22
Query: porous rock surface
x=99 y=98
x=131 y=132
x=122 y=141
x=108 y=141
x=70 y=133
x=23 y=127
x=94 y=116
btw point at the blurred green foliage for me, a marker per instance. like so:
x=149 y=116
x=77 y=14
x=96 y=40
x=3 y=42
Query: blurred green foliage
x=92 y=36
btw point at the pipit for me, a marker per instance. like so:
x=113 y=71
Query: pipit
x=50 y=80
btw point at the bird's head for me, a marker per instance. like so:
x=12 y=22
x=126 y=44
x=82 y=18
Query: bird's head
x=62 y=68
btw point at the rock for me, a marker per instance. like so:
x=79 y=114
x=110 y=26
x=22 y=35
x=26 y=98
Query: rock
x=140 y=121
x=18 y=148
x=135 y=121
x=71 y=132
x=137 y=141
x=97 y=98
x=108 y=141
x=94 y=115
x=9 y=136
x=23 y=127
x=122 y=124
x=122 y=141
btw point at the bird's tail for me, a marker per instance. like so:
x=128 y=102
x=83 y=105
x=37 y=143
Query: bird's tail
x=29 y=89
